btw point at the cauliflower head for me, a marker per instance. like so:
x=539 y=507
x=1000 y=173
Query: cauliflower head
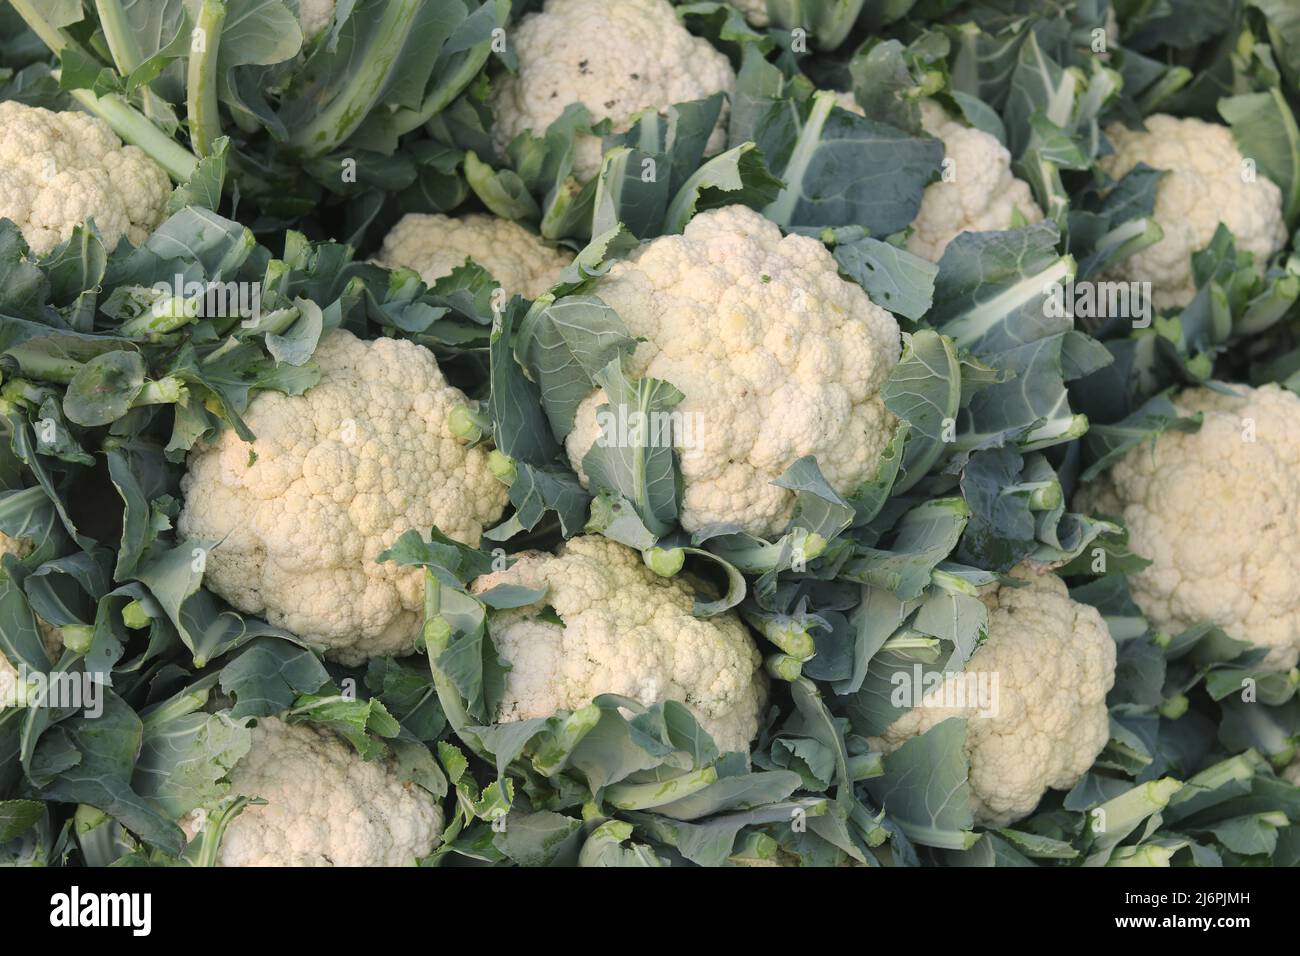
x=51 y=637
x=58 y=170
x=433 y=245
x=325 y=806
x=982 y=196
x=1218 y=514
x=1054 y=662
x=777 y=355
x=335 y=476
x=622 y=630
x=643 y=58
x=1203 y=187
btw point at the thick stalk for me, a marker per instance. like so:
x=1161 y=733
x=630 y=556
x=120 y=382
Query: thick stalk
x=122 y=44
x=204 y=848
x=134 y=128
x=176 y=708
x=644 y=796
x=201 y=77
x=349 y=108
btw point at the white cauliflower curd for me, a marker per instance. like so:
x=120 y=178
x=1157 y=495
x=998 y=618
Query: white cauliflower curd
x=982 y=195
x=777 y=355
x=334 y=477
x=622 y=630
x=433 y=245
x=1204 y=185
x=1217 y=512
x=1054 y=663
x=325 y=806
x=616 y=59
x=58 y=170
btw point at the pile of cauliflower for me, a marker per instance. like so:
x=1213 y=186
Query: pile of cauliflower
x=779 y=358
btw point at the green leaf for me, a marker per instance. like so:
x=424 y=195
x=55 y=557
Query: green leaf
x=204 y=187
x=564 y=345
x=106 y=747
x=183 y=761
x=1107 y=444
x=539 y=839
x=841 y=170
x=737 y=176
x=925 y=789
x=104 y=389
x=924 y=390
x=18 y=816
x=1265 y=130
x=604 y=848
x=536 y=491
x=894 y=278
x=268 y=675
x=925 y=536
x=363 y=723
x=634 y=458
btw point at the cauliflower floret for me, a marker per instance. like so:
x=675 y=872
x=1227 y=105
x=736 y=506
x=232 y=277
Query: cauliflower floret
x=325 y=806
x=335 y=477
x=645 y=59
x=434 y=245
x=1292 y=773
x=1218 y=514
x=59 y=169
x=314 y=16
x=1203 y=187
x=777 y=355
x=1054 y=662
x=982 y=194
x=51 y=637
x=624 y=630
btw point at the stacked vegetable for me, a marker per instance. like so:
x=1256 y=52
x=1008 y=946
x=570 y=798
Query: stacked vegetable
x=619 y=434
